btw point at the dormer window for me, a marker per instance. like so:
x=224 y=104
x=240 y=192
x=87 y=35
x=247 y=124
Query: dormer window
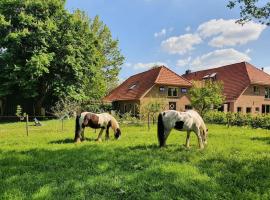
x=132 y=86
x=210 y=77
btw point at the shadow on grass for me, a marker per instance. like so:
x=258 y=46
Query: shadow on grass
x=101 y=172
x=263 y=139
x=70 y=141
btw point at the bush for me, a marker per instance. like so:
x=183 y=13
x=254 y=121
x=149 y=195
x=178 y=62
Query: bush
x=238 y=119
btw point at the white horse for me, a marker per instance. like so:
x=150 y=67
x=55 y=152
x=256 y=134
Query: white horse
x=102 y=121
x=182 y=121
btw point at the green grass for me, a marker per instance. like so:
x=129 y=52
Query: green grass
x=48 y=165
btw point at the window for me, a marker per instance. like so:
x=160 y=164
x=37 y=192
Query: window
x=183 y=90
x=239 y=109
x=172 y=92
x=257 y=109
x=161 y=89
x=265 y=108
x=248 y=110
x=256 y=90
x=267 y=93
x=188 y=107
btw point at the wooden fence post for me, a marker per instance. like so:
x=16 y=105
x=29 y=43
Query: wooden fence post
x=148 y=121
x=27 y=125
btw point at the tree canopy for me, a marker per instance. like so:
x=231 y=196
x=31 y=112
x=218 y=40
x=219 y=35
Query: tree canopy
x=204 y=96
x=252 y=9
x=50 y=53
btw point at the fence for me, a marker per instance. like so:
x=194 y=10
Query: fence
x=34 y=124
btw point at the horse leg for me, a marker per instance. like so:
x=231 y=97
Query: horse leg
x=198 y=133
x=100 y=135
x=187 y=139
x=82 y=135
x=166 y=135
x=107 y=137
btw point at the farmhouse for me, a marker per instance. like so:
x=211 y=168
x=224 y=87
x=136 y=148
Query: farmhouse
x=246 y=88
x=156 y=83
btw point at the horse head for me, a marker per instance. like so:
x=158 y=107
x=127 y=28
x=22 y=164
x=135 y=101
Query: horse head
x=117 y=133
x=205 y=135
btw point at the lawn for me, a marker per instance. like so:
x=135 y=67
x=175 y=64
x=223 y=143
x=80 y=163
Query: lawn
x=48 y=165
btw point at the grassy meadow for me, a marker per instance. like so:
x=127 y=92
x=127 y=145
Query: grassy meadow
x=48 y=165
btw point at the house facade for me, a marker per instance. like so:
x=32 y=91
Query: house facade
x=246 y=88
x=155 y=84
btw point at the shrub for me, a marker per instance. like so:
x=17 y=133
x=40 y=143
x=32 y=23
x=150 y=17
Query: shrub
x=238 y=119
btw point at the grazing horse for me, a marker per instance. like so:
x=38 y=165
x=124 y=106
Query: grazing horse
x=102 y=121
x=182 y=121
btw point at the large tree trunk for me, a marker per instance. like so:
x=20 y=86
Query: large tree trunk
x=41 y=97
x=38 y=105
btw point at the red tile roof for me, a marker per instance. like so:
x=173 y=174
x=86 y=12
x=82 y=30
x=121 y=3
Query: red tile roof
x=144 y=81
x=235 y=77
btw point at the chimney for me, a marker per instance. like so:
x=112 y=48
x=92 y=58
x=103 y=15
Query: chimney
x=188 y=71
x=262 y=68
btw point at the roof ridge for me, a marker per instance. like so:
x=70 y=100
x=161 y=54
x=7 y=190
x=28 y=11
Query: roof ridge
x=152 y=68
x=158 y=74
x=250 y=65
x=245 y=65
x=217 y=67
x=163 y=66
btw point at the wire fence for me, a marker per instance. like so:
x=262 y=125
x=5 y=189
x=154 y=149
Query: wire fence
x=35 y=124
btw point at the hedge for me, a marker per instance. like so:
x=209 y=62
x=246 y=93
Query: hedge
x=238 y=119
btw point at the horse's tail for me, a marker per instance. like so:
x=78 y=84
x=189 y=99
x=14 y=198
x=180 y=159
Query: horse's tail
x=77 y=128
x=160 y=131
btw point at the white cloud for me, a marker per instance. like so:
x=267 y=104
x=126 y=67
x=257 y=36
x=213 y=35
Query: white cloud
x=228 y=33
x=188 y=28
x=247 y=51
x=183 y=62
x=218 y=58
x=181 y=44
x=144 y=66
x=161 y=33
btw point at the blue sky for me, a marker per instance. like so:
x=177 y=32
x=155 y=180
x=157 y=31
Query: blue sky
x=181 y=34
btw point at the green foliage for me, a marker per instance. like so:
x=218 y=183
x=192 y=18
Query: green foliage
x=207 y=95
x=18 y=111
x=152 y=107
x=49 y=53
x=250 y=10
x=48 y=165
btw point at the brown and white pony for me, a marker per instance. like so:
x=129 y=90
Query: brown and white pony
x=181 y=121
x=96 y=121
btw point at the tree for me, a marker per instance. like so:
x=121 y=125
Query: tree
x=204 y=96
x=250 y=10
x=48 y=53
x=151 y=108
